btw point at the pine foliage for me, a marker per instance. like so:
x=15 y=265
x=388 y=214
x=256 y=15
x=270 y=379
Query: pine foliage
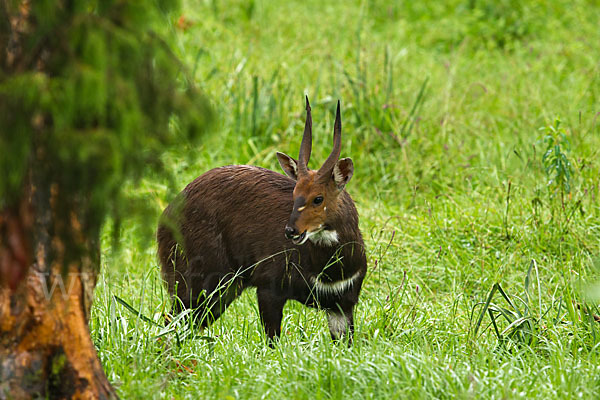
x=94 y=86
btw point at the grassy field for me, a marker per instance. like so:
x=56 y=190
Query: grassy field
x=483 y=252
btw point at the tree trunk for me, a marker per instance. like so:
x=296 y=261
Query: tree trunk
x=49 y=260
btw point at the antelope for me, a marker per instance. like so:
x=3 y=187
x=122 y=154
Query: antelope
x=293 y=237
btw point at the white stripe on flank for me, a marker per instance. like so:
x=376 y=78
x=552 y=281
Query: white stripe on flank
x=335 y=288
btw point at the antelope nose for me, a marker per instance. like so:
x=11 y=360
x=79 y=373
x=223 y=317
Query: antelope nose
x=290 y=232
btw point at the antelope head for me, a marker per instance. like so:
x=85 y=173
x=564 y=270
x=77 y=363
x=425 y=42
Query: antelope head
x=316 y=194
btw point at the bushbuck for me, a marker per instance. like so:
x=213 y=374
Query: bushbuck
x=293 y=237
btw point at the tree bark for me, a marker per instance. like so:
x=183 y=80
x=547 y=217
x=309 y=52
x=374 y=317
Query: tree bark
x=49 y=260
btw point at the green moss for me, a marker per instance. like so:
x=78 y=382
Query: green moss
x=57 y=365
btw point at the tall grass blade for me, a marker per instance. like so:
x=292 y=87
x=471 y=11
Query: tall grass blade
x=410 y=120
x=509 y=301
x=485 y=308
x=132 y=309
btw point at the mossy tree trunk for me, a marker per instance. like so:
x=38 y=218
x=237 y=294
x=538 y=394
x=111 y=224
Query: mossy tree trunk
x=90 y=97
x=49 y=261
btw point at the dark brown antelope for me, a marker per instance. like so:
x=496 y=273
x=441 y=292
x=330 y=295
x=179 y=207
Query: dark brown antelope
x=293 y=238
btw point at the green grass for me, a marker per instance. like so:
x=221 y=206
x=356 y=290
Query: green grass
x=442 y=105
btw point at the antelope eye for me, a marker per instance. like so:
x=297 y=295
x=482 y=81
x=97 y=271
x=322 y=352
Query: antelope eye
x=318 y=200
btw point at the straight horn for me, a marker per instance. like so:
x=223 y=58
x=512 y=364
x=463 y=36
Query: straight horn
x=305 y=147
x=327 y=168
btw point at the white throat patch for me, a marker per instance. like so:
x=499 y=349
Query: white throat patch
x=323 y=237
x=336 y=288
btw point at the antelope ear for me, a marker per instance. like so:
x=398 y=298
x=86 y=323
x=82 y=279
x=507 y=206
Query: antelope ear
x=289 y=165
x=342 y=172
